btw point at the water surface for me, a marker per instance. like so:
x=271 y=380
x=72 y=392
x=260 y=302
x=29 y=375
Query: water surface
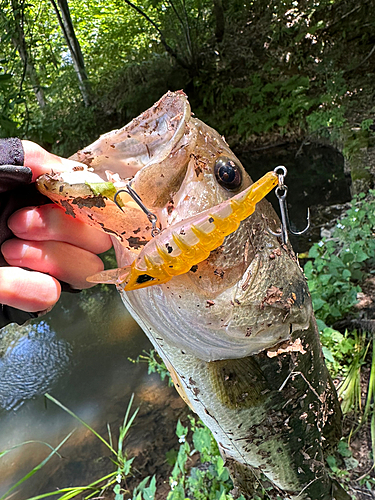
x=79 y=354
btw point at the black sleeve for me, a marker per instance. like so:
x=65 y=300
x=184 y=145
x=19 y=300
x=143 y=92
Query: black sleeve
x=16 y=191
x=11 y=152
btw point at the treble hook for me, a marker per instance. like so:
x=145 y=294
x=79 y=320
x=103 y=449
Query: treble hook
x=281 y=192
x=151 y=217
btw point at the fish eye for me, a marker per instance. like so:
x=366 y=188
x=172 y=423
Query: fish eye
x=228 y=173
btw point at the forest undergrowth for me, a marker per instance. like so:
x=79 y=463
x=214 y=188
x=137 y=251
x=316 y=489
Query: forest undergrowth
x=254 y=72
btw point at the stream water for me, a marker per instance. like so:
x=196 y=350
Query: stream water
x=79 y=353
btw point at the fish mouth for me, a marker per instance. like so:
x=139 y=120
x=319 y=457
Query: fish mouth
x=141 y=150
x=152 y=152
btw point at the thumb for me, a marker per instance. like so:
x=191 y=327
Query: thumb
x=42 y=162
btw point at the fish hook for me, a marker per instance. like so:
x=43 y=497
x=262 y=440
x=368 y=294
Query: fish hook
x=151 y=217
x=281 y=192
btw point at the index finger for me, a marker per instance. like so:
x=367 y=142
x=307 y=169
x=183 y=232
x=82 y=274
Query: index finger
x=42 y=162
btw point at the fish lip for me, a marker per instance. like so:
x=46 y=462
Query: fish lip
x=148 y=139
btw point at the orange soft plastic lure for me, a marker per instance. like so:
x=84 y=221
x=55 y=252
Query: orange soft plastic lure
x=179 y=247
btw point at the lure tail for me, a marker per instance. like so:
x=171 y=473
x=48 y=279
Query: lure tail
x=111 y=276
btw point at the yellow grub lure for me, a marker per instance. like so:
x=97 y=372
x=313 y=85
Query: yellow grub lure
x=179 y=247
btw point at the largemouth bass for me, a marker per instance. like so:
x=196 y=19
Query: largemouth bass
x=236 y=330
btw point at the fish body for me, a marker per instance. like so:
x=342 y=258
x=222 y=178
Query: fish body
x=237 y=329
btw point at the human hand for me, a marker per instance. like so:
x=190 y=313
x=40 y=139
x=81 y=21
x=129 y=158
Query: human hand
x=49 y=243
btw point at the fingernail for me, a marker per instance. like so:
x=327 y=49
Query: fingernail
x=14 y=250
x=20 y=222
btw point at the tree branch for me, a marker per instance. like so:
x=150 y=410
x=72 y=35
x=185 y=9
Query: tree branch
x=362 y=62
x=167 y=47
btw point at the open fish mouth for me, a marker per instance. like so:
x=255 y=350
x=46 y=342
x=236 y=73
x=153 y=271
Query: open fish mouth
x=139 y=152
x=147 y=140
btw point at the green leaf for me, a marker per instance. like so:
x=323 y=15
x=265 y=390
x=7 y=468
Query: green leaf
x=321 y=325
x=182 y=457
x=328 y=354
x=331 y=461
x=351 y=463
x=347 y=257
x=125 y=469
x=343 y=449
x=202 y=439
x=324 y=278
x=314 y=251
x=106 y=189
x=181 y=430
x=356 y=274
x=361 y=256
x=318 y=303
x=118 y=494
x=346 y=274
x=149 y=492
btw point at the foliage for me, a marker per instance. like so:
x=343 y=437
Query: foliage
x=343 y=456
x=115 y=480
x=338 y=264
x=155 y=365
x=272 y=104
x=369 y=410
x=337 y=348
x=350 y=390
x=248 y=69
x=209 y=479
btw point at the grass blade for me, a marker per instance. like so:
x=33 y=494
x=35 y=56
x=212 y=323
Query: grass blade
x=36 y=468
x=3 y=453
x=126 y=426
x=51 y=398
x=76 y=490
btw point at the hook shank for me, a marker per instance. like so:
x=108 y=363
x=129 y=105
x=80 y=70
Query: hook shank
x=281 y=193
x=151 y=217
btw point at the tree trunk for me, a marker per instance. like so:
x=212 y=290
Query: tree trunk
x=220 y=20
x=66 y=24
x=19 y=42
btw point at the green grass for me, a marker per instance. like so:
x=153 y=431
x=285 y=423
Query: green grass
x=114 y=480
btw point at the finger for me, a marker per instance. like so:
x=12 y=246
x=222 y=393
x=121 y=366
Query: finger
x=50 y=222
x=42 y=162
x=61 y=260
x=27 y=290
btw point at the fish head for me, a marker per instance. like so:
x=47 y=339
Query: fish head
x=250 y=293
x=150 y=152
